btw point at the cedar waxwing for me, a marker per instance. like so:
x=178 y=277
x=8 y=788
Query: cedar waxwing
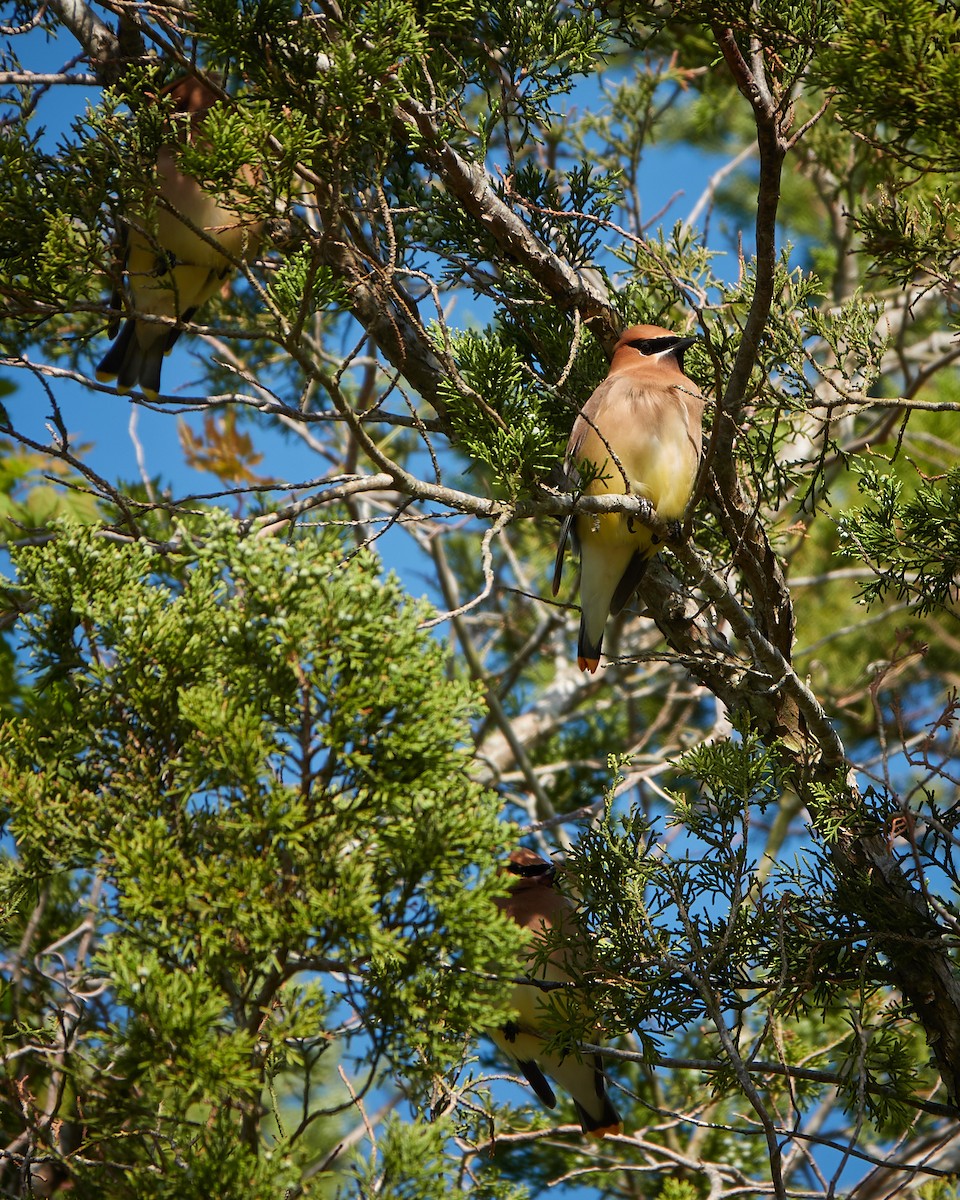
x=535 y=904
x=641 y=431
x=171 y=270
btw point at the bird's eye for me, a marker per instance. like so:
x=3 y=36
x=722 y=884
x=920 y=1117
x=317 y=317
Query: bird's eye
x=530 y=870
x=653 y=345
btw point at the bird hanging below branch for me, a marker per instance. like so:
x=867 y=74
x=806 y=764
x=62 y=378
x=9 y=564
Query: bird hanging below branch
x=639 y=434
x=177 y=254
x=538 y=906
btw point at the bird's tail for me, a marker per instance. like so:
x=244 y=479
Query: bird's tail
x=583 y=1078
x=607 y=1123
x=588 y=652
x=135 y=358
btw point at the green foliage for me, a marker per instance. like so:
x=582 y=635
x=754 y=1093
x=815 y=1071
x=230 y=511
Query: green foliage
x=409 y=1163
x=692 y=925
x=566 y=213
x=912 y=541
x=910 y=238
x=939 y=1189
x=884 y=1055
x=896 y=68
x=301 y=287
x=226 y=147
x=505 y=424
x=49 y=221
x=542 y=51
x=254 y=753
x=678 y=1189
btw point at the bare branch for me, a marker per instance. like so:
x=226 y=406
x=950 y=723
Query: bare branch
x=99 y=41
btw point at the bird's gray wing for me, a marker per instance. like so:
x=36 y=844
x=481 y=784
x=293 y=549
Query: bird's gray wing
x=568 y=480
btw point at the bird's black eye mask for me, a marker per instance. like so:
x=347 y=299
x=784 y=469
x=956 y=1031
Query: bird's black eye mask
x=654 y=345
x=663 y=345
x=540 y=870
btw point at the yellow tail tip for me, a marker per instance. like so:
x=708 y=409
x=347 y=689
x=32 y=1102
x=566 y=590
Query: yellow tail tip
x=588 y=664
x=605 y=1131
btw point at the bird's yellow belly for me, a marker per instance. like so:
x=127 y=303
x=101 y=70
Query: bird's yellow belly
x=664 y=477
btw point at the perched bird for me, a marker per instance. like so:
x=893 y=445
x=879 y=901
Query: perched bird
x=171 y=270
x=535 y=904
x=641 y=432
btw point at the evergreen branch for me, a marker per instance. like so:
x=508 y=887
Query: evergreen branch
x=770 y=660
x=471 y=185
x=786 y=1070
x=384 y=309
x=873 y=880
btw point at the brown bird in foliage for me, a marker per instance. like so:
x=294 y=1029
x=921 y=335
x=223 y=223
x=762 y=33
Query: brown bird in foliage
x=178 y=253
x=639 y=434
x=535 y=904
